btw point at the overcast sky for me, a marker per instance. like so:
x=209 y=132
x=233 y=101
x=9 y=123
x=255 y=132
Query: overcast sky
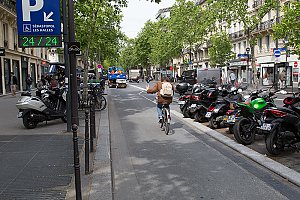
x=138 y=12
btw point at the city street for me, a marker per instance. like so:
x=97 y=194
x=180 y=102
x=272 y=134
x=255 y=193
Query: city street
x=187 y=164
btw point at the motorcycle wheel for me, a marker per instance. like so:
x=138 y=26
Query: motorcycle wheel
x=199 y=117
x=242 y=132
x=65 y=118
x=100 y=103
x=28 y=122
x=185 y=112
x=273 y=143
x=213 y=124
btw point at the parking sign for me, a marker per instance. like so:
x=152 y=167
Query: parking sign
x=39 y=23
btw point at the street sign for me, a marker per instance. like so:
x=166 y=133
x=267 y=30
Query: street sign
x=242 y=55
x=2 y=51
x=74 y=48
x=277 y=53
x=100 y=66
x=295 y=64
x=39 y=23
x=247 y=49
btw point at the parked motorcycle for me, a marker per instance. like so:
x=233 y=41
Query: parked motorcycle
x=282 y=126
x=218 y=109
x=199 y=109
x=51 y=105
x=250 y=118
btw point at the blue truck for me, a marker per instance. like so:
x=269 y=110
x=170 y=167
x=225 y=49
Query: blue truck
x=117 y=77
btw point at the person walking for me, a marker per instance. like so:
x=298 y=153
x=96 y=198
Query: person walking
x=28 y=83
x=13 y=84
x=282 y=78
x=232 y=78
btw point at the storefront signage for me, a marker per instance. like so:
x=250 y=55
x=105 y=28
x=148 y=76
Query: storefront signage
x=239 y=63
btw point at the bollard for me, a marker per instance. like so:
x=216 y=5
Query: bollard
x=93 y=120
x=76 y=163
x=86 y=141
x=91 y=127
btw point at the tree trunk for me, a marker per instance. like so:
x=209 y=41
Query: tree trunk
x=253 y=64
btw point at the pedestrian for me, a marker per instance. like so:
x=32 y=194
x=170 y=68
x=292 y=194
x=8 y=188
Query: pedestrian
x=232 y=78
x=28 y=82
x=282 y=78
x=13 y=84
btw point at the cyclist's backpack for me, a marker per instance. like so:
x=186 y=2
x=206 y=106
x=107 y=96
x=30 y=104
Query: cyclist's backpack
x=166 y=89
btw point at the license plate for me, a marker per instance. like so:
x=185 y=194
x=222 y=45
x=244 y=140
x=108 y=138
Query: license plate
x=208 y=114
x=181 y=102
x=19 y=114
x=266 y=127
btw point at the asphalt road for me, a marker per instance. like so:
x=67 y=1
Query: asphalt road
x=147 y=164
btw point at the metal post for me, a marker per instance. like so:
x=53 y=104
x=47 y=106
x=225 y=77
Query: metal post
x=74 y=105
x=91 y=127
x=67 y=64
x=76 y=163
x=86 y=143
x=276 y=46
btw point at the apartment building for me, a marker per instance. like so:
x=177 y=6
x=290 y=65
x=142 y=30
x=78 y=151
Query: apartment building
x=21 y=61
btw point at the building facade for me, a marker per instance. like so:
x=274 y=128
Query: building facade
x=21 y=61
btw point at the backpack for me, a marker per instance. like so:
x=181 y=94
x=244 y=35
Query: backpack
x=166 y=89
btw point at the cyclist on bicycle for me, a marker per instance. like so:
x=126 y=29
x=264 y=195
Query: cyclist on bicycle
x=165 y=91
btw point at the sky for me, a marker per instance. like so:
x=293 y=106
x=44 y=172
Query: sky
x=138 y=12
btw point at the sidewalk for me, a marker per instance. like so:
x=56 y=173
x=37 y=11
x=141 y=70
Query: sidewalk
x=98 y=184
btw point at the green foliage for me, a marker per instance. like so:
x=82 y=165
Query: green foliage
x=289 y=27
x=220 y=50
x=97 y=27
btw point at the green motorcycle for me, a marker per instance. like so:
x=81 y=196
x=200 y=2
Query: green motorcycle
x=250 y=118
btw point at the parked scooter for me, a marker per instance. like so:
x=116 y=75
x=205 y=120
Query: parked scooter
x=282 y=126
x=51 y=105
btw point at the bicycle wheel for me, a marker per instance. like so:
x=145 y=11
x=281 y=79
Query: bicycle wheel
x=100 y=103
x=166 y=122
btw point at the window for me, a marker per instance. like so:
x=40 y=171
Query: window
x=260 y=44
x=239 y=47
x=245 y=45
x=5 y=35
x=15 y=32
x=267 y=43
x=234 y=48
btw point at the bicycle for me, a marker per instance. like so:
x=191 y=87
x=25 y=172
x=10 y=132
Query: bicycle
x=166 y=118
x=95 y=94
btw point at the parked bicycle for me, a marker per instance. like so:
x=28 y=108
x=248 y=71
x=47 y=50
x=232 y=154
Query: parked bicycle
x=95 y=94
x=166 y=120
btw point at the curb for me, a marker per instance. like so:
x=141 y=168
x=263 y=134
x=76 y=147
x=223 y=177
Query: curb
x=101 y=184
x=281 y=170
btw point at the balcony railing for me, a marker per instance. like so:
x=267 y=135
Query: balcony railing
x=257 y=3
x=265 y=25
x=9 y=4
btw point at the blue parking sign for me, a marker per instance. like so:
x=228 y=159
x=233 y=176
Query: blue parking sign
x=38 y=17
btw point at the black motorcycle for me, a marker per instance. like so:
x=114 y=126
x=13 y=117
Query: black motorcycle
x=282 y=126
x=218 y=109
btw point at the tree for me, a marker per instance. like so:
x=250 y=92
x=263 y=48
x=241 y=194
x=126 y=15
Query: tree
x=289 y=27
x=220 y=50
x=237 y=10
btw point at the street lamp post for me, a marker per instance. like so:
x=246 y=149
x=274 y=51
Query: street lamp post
x=248 y=58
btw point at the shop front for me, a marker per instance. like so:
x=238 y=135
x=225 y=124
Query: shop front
x=241 y=70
